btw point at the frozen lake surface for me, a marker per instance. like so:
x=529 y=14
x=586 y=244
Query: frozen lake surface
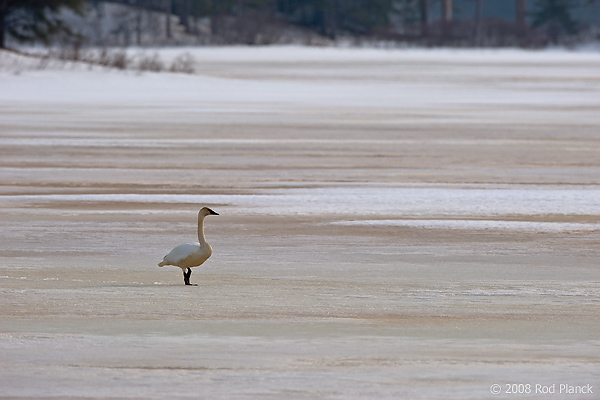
x=393 y=224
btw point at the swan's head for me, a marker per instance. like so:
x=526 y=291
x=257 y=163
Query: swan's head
x=206 y=211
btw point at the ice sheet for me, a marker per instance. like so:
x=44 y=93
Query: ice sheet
x=364 y=201
x=479 y=225
x=393 y=224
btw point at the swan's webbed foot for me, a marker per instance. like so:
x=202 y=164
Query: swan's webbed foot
x=186 y=277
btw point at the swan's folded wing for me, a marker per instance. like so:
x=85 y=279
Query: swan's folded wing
x=180 y=253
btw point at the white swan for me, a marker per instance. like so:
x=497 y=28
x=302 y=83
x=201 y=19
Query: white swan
x=186 y=256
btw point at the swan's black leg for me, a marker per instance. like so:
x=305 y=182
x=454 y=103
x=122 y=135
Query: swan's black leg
x=189 y=275
x=186 y=275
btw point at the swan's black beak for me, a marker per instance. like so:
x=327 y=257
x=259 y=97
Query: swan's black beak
x=212 y=212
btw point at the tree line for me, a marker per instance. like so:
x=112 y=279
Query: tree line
x=262 y=21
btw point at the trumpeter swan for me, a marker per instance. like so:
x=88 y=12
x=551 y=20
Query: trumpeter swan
x=186 y=256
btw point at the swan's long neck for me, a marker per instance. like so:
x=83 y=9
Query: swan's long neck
x=201 y=238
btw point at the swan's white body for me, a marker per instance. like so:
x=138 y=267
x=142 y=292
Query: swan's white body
x=187 y=255
x=191 y=255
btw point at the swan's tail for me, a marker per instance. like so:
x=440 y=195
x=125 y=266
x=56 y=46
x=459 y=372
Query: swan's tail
x=161 y=264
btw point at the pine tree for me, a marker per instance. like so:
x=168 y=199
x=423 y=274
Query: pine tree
x=555 y=16
x=30 y=20
x=330 y=17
